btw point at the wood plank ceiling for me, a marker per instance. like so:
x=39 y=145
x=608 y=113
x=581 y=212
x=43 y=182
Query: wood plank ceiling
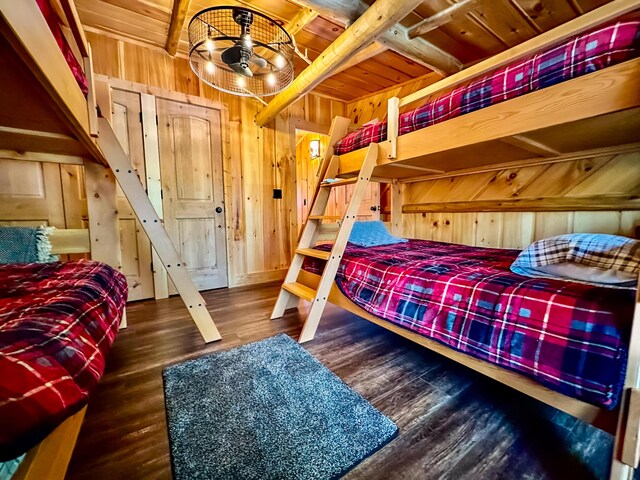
x=491 y=27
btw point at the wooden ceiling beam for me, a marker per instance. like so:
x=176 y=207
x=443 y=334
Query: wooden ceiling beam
x=304 y=17
x=366 y=53
x=178 y=16
x=375 y=20
x=395 y=37
x=442 y=17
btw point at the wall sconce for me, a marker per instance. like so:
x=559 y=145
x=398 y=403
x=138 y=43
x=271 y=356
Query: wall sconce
x=314 y=148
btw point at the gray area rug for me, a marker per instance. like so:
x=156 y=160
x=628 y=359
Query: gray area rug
x=267 y=410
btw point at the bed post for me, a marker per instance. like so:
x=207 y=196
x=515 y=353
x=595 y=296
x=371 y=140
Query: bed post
x=626 y=448
x=393 y=119
x=102 y=206
x=396 y=209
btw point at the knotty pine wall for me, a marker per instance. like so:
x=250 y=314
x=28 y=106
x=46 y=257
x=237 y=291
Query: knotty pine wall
x=610 y=174
x=263 y=230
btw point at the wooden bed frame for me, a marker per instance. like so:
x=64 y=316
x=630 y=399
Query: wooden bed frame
x=599 y=112
x=46 y=118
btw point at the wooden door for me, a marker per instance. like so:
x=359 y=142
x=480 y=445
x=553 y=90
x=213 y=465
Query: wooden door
x=135 y=246
x=369 y=207
x=191 y=170
x=30 y=194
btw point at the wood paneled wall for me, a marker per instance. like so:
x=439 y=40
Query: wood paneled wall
x=613 y=174
x=607 y=175
x=261 y=230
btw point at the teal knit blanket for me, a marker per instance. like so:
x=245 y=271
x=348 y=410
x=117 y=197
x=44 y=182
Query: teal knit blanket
x=25 y=245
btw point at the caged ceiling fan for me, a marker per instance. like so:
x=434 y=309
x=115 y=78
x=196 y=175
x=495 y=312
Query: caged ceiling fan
x=240 y=51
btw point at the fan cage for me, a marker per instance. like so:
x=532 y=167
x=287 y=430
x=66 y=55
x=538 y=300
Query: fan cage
x=269 y=40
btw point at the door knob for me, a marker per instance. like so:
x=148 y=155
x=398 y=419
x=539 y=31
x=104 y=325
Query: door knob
x=373 y=208
x=218 y=209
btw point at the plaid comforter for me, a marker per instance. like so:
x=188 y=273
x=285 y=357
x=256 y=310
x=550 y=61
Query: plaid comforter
x=57 y=322
x=569 y=336
x=580 y=55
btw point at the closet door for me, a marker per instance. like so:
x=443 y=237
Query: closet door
x=136 y=248
x=193 y=203
x=30 y=194
x=369 y=208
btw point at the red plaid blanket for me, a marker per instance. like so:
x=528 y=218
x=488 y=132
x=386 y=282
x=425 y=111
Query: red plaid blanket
x=580 y=55
x=57 y=322
x=569 y=336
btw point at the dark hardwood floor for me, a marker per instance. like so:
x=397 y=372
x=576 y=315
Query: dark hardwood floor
x=454 y=423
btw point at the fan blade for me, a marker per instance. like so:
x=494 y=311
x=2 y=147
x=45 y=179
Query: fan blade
x=241 y=69
x=232 y=55
x=258 y=60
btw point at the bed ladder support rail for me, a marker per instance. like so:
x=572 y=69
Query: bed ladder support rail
x=626 y=447
x=130 y=184
x=91 y=94
x=631 y=441
x=291 y=290
x=393 y=125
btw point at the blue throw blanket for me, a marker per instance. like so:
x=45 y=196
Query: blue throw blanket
x=25 y=245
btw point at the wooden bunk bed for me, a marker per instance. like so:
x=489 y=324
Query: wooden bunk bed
x=46 y=117
x=599 y=111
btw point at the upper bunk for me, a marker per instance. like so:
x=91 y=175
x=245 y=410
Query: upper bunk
x=43 y=108
x=592 y=111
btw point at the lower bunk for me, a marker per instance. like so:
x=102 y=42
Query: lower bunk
x=58 y=322
x=563 y=343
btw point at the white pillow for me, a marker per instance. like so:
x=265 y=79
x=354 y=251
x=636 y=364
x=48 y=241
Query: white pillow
x=588 y=274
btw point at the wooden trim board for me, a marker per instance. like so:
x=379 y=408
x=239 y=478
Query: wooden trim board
x=542 y=204
x=154 y=183
x=66 y=241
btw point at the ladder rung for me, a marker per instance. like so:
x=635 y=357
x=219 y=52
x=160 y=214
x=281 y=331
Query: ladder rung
x=325 y=217
x=340 y=183
x=300 y=290
x=312 y=252
x=327 y=232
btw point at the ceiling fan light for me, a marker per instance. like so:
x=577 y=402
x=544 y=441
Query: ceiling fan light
x=240 y=51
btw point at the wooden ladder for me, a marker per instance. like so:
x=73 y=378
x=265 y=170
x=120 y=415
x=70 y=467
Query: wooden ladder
x=120 y=165
x=291 y=290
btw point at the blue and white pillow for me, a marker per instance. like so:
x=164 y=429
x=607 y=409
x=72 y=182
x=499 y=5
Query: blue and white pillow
x=372 y=234
x=597 y=259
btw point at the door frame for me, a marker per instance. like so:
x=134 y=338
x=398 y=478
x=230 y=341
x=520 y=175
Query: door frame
x=161 y=93
x=295 y=125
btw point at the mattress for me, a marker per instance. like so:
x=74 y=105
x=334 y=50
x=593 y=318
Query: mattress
x=54 y=25
x=57 y=323
x=598 y=49
x=570 y=337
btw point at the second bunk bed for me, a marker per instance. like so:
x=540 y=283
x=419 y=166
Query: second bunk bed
x=565 y=93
